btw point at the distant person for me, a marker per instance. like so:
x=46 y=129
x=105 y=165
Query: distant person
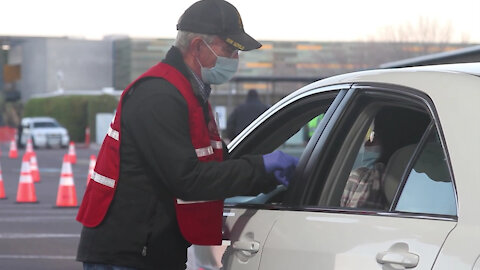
x=244 y=114
x=19 y=135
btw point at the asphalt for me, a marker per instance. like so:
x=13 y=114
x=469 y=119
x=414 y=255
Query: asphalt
x=41 y=235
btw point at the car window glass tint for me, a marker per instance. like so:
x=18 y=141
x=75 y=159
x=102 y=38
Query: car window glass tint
x=429 y=188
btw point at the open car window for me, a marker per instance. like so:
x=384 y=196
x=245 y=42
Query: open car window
x=289 y=128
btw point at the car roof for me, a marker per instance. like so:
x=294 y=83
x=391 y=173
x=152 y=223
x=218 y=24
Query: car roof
x=403 y=76
x=455 y=91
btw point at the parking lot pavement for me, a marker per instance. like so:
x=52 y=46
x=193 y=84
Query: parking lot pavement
x=41 y=235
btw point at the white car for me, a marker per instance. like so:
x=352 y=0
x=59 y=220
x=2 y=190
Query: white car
x=44 y=131
x=389 y=179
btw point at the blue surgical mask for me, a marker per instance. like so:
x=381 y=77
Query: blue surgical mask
x=223 y=70
x=371 y=154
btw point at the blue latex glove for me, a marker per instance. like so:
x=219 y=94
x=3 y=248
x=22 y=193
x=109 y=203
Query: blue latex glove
x=281 y=165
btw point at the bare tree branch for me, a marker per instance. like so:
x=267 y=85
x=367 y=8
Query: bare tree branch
x=424 y=30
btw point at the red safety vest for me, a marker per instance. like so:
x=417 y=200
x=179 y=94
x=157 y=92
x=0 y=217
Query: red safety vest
x=200 y=222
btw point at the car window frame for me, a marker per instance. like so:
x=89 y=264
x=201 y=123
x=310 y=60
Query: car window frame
x=382 y=89
x=236 y=146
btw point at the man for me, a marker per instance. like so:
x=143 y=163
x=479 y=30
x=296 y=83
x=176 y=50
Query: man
x=244 y=114
x=160 y=179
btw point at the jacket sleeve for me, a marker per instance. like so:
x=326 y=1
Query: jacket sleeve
x=156 y=117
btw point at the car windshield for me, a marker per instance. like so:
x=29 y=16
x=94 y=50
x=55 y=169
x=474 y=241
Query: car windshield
x=45 y=124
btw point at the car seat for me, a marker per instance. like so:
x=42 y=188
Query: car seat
x=396 y=166
x=430 y=162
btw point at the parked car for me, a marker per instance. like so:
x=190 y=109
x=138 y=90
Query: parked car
x=415 y=206
x=44 y=132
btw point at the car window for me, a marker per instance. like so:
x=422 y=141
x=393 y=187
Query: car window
x=388 y=129
x=45 y=124
x=382 y=154
x=289 y=129
x=429 y=187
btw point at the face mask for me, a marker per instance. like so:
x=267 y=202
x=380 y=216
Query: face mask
x=223 y=70
x=371 y=154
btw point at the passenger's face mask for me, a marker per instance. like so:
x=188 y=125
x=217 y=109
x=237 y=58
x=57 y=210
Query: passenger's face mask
x=371 y=154
x=221 y=72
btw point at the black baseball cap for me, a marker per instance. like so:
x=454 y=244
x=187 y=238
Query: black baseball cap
x=220 y=18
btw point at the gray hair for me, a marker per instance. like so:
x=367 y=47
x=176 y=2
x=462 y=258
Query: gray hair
x=184 y=38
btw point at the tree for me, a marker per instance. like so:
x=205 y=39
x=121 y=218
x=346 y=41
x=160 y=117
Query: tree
x=425 y=36
x=425 y=30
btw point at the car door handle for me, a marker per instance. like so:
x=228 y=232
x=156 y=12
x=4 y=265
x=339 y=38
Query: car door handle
x=403 y=258
x=248 y=246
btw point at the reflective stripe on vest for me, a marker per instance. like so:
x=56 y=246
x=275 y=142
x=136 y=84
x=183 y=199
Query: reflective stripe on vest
x=113 y=133
x=189 y=202
x=109 y=182
x=217 y=144
x=205 y=151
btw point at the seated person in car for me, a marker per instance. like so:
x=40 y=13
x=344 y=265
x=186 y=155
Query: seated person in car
x=394 y=128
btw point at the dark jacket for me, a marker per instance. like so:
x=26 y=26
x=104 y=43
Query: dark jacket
x=244 y=114
x=157 y=164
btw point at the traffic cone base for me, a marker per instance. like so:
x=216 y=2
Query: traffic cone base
x=2 y=191
x=26 y=193
x=66 y=196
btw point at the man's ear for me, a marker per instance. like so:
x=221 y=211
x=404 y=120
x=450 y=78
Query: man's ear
x=195 y=46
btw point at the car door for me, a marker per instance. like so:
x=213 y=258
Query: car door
x=399 y=221
x=288 y=126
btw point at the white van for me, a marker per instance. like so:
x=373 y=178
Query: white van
x=44 y=131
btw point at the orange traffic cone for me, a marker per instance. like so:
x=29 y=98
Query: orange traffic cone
x=87 y=137
x=2 y=188
x=71 y=153
x=91 y=166
x=66 y=196
x=13 y=153
x=29 y=149
x=26 y=188
x=34 y=167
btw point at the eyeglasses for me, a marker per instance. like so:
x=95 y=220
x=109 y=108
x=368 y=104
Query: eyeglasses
x=226 y=49
x=229 y=50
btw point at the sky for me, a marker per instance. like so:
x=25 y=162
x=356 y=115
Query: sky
x=301 y=20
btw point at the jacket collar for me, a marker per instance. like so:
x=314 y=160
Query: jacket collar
x=175 y=58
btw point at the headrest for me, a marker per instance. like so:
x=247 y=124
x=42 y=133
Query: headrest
x=394 y=170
